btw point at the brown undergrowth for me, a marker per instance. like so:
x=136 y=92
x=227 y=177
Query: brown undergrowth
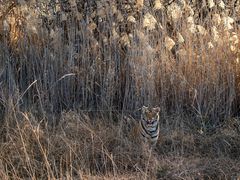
x=84 y=148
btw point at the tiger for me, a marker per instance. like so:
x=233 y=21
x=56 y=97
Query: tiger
x=145 y=130
x=149 y=125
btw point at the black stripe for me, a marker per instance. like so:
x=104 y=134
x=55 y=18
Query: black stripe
x=153 y=131
x=146 y=131
x=156 y=129
x=154 y=136
x=143 y=135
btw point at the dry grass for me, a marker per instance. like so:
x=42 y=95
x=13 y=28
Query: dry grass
x=80 y=147
x=68 y=74
x=75 y=148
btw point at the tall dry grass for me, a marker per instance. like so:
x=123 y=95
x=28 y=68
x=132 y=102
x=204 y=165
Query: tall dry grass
x=78 y=67
x=94 y=61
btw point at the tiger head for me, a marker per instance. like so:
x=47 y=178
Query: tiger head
x=150 y=115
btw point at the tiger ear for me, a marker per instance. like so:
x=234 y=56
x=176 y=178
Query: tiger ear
x=144 y=108
x=156 y=109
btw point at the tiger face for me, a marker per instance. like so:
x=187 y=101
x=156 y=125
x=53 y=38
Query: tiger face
x=150 y=115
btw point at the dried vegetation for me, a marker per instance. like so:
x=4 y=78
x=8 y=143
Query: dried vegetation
x=71 y=69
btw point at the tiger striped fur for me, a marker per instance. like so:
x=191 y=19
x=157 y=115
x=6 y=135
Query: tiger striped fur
x=149 y=124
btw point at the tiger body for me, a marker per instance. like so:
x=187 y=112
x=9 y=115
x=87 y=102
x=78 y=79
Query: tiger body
x=149 y=125
x=144 y=131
